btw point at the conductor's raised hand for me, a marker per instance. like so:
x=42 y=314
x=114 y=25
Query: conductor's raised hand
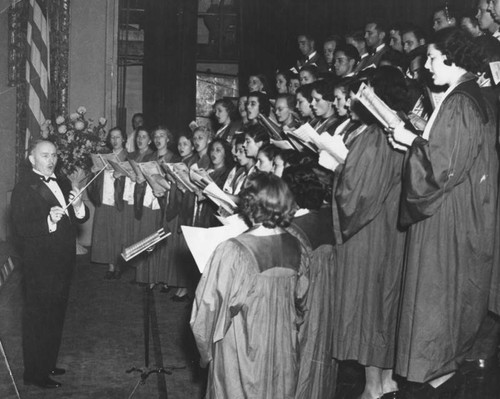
x=56 y=213
x=76 y=195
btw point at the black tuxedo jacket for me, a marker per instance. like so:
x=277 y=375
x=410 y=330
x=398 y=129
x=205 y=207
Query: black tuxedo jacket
x=48 y=258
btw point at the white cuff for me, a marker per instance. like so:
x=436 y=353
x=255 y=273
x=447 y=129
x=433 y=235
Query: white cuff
x=51 y=224
x=80 y=212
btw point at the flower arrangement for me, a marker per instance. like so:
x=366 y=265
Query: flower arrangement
x=75 y=138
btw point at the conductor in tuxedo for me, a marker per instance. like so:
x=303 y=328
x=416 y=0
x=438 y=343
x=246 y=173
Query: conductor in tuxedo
x=47 y=235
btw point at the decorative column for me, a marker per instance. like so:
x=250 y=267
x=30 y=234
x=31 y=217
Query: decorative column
x=58 y=15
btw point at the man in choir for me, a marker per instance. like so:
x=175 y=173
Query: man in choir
x=443 y=17
x=485 y=19
x=470 y=24
x=137 y=122
x=331 y=43
x=345 y=60
x=44 y=222
x=494 y=9
x=375 y=37
x=310 y=56
x=357 y=40
x=413 y=37
x=395 y=40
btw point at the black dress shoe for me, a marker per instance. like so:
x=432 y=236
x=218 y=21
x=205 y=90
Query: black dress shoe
x=47 y=383
x=57 y=371
x=109 y=275
x=184 y=298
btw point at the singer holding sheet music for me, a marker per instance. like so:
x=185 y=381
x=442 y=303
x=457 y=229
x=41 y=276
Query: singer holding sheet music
x=449 y=203
x=47 y=234
x=249 y=301
x=106 y=193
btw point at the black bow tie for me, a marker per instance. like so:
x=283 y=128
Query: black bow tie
x=47 y=179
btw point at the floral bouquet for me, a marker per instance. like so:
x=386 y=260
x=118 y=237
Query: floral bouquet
x=76 y=138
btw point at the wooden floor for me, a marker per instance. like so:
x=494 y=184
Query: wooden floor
x=103 y=338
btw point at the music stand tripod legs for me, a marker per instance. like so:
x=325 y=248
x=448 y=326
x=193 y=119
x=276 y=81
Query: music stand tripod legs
x=146 y=371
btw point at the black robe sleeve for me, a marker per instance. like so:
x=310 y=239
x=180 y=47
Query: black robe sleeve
x=433 y=168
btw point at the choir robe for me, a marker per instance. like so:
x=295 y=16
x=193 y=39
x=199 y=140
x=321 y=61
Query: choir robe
x=369 y=254
x=449 y=200
x=317 y=377
x=181 y=270
x=246 y=316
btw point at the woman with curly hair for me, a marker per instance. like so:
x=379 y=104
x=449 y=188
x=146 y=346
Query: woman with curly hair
x=322 y=105
x=225 y=113
x=248 y=304
x=449 y=204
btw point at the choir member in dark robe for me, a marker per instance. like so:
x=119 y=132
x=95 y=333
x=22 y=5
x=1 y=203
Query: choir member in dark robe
x=308 y=74
x=201 y=138
x=242 y=110
x=265 y=158
x=312 y=225
x=134 y=226
x=221 y=163
x=293 y=83
x=155 y=268
x=106 y=193
x=322 y=106
x=369 y=253
x=256 y=137
x=225 y=114
x=259 y=111
x=284 y=111
x=181 y=269
x=258 y=82
x=449 y=202
x=245 y=165
x=282 y=79
x=303 y=104
x=47 y=239
x=249 y=302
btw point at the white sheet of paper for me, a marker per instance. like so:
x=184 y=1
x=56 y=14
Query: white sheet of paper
x=307 y=133
x=282 y=144
x=334 y=146
x=495 y=71
x=202 y=242
x=327 y=161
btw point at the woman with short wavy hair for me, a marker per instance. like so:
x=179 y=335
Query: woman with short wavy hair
x=449 y=205
x=248 y=303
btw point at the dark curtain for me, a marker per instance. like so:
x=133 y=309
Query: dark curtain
x=169 y=72
x=269 y=28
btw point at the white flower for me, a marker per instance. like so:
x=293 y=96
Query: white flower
x=44 y=133
x=60 y=120
x=62 y=129
x=102 y=121
x=81 y=110
x=79 y=125
x=74 y=116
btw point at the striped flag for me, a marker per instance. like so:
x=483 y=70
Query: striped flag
x=37 y=69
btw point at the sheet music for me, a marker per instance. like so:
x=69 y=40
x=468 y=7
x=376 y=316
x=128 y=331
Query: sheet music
x=385 y=115
x=211 y=238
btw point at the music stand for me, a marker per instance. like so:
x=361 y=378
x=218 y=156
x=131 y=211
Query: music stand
x=146 y=371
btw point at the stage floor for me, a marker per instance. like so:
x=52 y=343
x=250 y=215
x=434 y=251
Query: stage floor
x=103 y=337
